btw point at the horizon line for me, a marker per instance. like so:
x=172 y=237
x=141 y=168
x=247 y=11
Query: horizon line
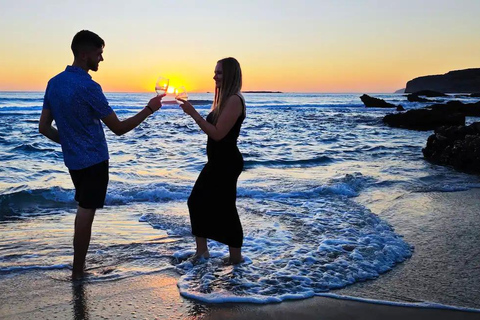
x=245 y=91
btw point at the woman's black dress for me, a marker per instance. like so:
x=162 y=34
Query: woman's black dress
x=213 y=212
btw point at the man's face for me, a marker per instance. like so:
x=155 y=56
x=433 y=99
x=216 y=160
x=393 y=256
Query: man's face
x=93 y=58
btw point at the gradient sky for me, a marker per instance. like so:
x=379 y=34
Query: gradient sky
x=301 y=46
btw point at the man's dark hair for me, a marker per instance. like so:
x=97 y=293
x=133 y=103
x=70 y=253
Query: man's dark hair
x=86 y=40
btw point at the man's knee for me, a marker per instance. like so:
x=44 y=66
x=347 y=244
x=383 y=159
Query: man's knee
x=84 y=216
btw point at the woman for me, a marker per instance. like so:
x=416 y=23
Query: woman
x=213 y=212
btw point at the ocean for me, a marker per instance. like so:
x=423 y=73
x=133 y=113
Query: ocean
x=319 y=171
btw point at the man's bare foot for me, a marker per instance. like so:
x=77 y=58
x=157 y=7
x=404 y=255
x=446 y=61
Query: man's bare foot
x=77 y=275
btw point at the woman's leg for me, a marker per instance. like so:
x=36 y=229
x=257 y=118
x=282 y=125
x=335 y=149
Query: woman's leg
x=235 y=255
x=202 y=248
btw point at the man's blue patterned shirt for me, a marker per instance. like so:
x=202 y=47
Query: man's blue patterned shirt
x=77 y=104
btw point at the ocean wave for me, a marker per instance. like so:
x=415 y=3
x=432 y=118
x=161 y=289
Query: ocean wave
x=323 y=160
x=350 y=185
x=18 y=201
x=33 y=267
x=193 y=102
x=31 y=148
x=14 y=100
x=23 y=201
x=331 y=245
x=26 y=201
x=448 y=187
x=302 y=105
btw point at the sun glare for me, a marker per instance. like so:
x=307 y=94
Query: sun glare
x=171 y=90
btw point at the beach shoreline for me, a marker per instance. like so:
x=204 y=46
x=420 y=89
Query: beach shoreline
x=35 y=295
x=47 y=294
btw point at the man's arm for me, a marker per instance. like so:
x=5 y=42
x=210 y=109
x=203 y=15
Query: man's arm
x=121 y=127
x=45 y=126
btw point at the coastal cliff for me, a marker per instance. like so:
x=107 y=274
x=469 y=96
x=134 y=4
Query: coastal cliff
x=458 y=81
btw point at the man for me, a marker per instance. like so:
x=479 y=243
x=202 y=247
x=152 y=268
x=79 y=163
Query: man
x=77 y=104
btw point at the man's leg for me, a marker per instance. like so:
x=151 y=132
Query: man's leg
x=81 y=239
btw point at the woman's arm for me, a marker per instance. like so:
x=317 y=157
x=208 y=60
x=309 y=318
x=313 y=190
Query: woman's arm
x=230 y=114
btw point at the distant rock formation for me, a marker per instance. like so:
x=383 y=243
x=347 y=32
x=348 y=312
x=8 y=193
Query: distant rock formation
x=457 y=146
x=424 y=119
x=458 y=81
x=371 y=102
x=415 y=97
x=261 y=91
x=400 y=91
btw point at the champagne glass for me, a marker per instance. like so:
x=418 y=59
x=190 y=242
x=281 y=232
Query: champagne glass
x=161 y=86
x=181 y=93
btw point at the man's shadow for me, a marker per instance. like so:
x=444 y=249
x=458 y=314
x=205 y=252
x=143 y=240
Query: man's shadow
x=79 y=300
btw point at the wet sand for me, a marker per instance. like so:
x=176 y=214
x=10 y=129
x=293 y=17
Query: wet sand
x=38 y=296
x=445 y=268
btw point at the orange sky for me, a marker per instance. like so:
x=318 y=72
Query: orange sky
x=314 y=46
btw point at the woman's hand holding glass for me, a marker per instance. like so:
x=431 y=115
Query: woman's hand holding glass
x=187 y=107
x=181 y=94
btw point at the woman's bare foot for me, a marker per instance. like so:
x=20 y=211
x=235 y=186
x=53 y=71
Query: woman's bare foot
x=235 y=255
x=229 y=261
x=199 y=255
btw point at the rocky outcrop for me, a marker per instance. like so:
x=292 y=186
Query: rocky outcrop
x=371 y=102
x=459 y=81
x=414 y=98
x=454 y=106
x=457 y=146
x=429 y=93
x=424 y=119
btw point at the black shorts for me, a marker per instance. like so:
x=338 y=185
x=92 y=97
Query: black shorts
x=91 y=185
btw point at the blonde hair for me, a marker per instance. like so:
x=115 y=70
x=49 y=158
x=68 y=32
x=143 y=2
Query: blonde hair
x=231 y=84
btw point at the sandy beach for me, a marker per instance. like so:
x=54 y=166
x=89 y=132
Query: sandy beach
x=36 y=296
x=44 y=295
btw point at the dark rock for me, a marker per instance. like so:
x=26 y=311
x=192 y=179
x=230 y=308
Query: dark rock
x=455 y=106
x=456 y=146
x=414 y=98
x=400 y=108
x=458 y=81
x=423 y=119
x=475 y=95
x=429 y=93
x=371 y=102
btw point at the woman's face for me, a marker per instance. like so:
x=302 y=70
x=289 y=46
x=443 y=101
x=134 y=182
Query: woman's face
x=218 y=75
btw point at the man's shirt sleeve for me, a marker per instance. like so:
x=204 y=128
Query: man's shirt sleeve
x=97 y=101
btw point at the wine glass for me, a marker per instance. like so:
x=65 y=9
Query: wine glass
x=161 y=86
x=181 y=93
